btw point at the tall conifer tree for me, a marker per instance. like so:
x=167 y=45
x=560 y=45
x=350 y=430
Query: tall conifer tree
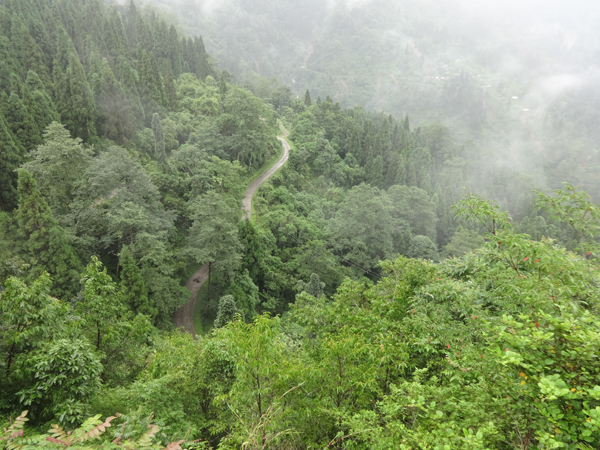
x=46 y=243
x=133 y=288
x=38 y=102
x=11 y=157
x=307 y=100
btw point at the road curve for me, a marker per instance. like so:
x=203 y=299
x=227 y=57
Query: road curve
x=184 y=316
x=247 y=201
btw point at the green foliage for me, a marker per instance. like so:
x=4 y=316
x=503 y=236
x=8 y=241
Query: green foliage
x=45 y=241
x=226 y=312
x=213 y=236
x=133 y=288
x=363 y=227
x=483 y=212
x=80 y=438
x=575 y=208
x=422 y=247
x=463 y=241
x=10 y=159
x=119 y=337
x=66 y=374
x=314 y=287
x=58 y=166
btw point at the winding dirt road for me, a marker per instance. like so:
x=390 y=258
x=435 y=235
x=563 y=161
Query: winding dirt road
x=184 y=316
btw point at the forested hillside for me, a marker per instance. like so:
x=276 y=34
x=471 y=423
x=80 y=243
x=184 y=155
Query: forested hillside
x=516 y=79
x=376 y=300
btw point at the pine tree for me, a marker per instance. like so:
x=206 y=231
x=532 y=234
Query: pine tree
x=73 y=95
x=31 y=55
x=38 y=102
x=159 y=141
x=46 y=243
x=8 y=63
x=133 y=288
x=94 y=73
x=131 y=23
x=411 y=173
x=201 y=65
x=82 y=112
x=175 y=51
x=129 y=84
x=21 y=122
x=151 y=88
x=375 y=172
x=11 y=157
x=169 y=85
x=115 y=119
x=307 y=100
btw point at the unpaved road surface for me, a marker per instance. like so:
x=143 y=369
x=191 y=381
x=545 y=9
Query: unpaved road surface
x=184 y=316
x=247 y=201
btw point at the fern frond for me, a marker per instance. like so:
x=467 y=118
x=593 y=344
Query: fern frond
x=146 y=439
x=29 y=443
x=97 y=430
x=59 y=434
x=174 y=445
x=16 y=427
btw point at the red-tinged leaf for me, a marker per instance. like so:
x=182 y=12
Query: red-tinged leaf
x=525 y=259
x=57 y=441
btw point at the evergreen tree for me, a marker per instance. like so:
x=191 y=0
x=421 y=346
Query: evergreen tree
x=159 y=141
x=314 y=287
x=94 y=73
x=38 y=103
x=46 y=243
x=151 y=88
x=253 y=252
x=129 y=84
x=31 y=56
x=200 y=64
x=133 y=288
x=73 y=95
x=175 y=51
x=21 y=122
x=226 y=312
x=411 y=173
x=115 y=119
x=8 y=63
x=375 y=172
x=245 y=292
x=169 y=85
x=307 y=100
x=82 y=113
x=11 y=157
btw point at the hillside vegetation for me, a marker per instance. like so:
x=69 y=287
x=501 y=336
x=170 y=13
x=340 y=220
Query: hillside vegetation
x=396 y=288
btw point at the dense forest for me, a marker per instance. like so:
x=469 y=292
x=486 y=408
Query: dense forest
x=399 y=285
